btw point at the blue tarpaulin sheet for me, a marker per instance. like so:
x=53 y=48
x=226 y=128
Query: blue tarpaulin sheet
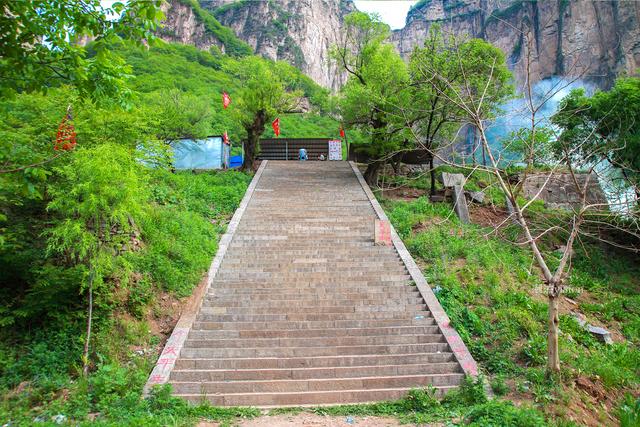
x=235 y=161
x=204 y=153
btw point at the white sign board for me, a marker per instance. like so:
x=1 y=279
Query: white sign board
x=335 y=150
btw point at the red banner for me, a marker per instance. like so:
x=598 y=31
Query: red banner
x=276 y=126
x=341 y=132
x=226 y=100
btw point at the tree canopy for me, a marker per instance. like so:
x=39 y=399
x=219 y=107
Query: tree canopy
x=268 y=89
x=605 y=126
x=41 y=44
x=376 y=91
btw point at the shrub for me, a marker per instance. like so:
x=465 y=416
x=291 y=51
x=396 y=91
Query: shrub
x=504 y=414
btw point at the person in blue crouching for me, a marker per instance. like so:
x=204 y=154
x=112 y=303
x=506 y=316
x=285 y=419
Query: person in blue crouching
x=302 y=154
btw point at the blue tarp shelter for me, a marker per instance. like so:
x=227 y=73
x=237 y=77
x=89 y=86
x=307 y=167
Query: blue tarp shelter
x=208 y=153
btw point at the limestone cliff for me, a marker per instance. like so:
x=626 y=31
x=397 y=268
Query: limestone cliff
x=591 y=38
x=183 y=25
x=297 y=31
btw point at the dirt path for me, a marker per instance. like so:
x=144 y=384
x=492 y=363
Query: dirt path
x=314 y=420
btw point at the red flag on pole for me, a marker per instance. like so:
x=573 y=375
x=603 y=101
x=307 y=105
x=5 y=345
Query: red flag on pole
x=225 y=137
x=276 y=126
x=226 y=100
x=341 y=132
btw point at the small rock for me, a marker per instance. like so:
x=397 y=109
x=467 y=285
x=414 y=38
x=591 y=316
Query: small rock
x=452 y=179
x=475 y=196
x=437 y=289
x=139 y=352
x=59 y=419
x=349 y=420
x=38 y=419
x=580 y=319
x=601 y=334
x=419 y=317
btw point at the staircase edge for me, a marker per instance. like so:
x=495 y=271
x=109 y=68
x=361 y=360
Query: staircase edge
x=171 y=351
x=458 y=347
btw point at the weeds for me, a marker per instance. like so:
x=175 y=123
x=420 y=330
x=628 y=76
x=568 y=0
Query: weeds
x=491 y=295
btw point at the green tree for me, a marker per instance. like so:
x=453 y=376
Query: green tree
x=605 y=126
x=376 y=91
x=41 y=44
x=99 y=194
x=433 y=116
x=267 y=89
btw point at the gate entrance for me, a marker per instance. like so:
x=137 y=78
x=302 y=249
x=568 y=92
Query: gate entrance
x=287 y=148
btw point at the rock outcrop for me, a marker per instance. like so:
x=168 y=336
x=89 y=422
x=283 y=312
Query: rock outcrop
x=297 y=31
x=183 y=25
x=596 y=40
x=593 y=39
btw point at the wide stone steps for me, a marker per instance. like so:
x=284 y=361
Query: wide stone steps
x=316 y=294
x=310 y=333
x=190 y=375
x=419 y=320
x=268 y=400
x=378 y=284
x=305 y=310
x=315 y=384
x=333 y=301
x=339 y=361
x=201 y=340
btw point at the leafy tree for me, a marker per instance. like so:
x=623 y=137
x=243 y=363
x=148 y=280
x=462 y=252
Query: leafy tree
x=266 y=91
x=518 y=144
x=605 y=126
x=451 y=79
x=99 y=193
x=375 y=93
x=41 y=44
x=177 y=114
x=433 y=116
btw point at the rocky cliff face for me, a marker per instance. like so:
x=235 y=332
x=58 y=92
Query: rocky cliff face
x=297 y=31
x=593 y=39
x=183 y=25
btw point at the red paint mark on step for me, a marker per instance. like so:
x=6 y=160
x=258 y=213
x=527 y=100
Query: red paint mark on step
x=382 y=233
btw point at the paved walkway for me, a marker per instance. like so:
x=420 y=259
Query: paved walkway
x=305 y=310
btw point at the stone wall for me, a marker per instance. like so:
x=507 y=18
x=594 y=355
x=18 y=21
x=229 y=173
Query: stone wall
x=560 y=190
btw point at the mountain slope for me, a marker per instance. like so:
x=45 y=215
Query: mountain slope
x=593 y=39
x=298 y=32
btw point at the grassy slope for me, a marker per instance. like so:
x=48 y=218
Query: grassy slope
x=492 y=293
x=41 y=308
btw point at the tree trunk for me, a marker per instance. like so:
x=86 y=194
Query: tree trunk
x=371 y=174
x=254 y=130
x=553 y=363
x=432 y=173
x=249 y=153
x=85 y=353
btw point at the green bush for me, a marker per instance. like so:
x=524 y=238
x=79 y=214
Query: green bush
x=503 y=414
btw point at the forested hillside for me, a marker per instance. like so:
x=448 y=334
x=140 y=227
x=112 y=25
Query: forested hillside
x=102 y=242
x=108 y=214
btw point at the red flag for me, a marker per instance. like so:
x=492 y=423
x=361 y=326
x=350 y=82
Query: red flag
x=225 y=137
x=66 y=135
x=276 y=126
x=226 y=100
x=341 y=132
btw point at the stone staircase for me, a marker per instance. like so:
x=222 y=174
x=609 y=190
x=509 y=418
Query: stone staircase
x=305 y=310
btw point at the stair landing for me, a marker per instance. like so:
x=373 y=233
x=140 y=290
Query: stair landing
x=303 y=309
